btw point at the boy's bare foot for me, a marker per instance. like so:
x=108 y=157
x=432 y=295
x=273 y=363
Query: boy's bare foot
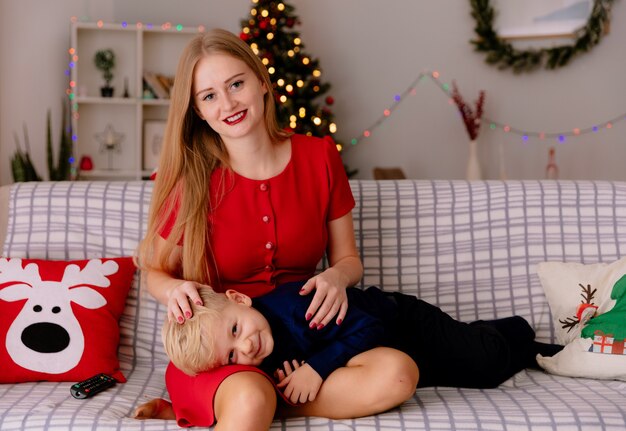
x=157 y=408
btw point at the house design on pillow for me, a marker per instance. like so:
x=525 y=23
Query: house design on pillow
x=46 y=336
x=608 y=330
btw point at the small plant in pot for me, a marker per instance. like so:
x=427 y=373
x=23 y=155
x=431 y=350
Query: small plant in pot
x=105 y=62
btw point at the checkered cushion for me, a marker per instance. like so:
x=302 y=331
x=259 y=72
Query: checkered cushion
x=470 y=248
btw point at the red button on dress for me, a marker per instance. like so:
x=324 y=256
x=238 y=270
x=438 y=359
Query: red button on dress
x=269 y=268
x=266 y=219
x=269 y=245
x=263 y=187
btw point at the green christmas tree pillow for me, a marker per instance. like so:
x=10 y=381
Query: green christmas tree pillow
x=588 y=304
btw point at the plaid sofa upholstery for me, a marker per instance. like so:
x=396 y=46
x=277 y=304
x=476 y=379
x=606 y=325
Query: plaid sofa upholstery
x=470 y=248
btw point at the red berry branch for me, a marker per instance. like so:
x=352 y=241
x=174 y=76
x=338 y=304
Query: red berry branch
x=471 y=118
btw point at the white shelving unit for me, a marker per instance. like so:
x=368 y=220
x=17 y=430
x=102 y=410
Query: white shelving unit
x=137 y=47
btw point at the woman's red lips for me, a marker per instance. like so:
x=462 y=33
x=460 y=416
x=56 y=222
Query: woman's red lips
x=236 y=118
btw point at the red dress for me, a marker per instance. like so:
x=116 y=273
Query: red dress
x=264 y=233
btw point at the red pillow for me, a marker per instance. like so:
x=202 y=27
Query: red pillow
x=59 y=320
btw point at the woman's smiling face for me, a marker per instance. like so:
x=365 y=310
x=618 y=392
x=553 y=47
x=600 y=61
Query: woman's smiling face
x=228 y=95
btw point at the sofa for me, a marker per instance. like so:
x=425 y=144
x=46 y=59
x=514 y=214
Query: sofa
x=470 y=247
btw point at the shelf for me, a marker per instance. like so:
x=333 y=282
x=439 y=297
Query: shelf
x=121 y=101
x=156 y=102
x=106 y=100
x=137 y=48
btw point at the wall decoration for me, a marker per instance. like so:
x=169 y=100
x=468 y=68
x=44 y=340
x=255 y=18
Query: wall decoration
x=525 y=135
x=110 y=141
x=153 y=131
x=504 y=55
x=544 y=20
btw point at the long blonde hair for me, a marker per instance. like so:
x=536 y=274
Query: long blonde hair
x=191 y=151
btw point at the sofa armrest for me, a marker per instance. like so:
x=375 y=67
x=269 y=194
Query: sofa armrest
x=4 y=214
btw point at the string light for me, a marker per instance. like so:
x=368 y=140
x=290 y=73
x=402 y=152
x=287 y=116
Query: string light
x=525 y=135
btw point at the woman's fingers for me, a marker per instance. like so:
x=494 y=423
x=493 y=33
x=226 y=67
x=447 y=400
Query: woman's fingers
x=179 y=307
x=317 y=300
x=343 y=309
x=329 y=302
x=308 y=286
x=329 y=316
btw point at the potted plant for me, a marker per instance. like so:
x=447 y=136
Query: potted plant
x=105 y=62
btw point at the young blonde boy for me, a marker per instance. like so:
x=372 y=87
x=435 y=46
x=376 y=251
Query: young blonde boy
x=270 y=332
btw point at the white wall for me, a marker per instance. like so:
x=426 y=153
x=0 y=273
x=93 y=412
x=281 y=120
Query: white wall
x=369 y=51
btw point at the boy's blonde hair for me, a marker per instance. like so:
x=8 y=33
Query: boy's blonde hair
x=190 y=346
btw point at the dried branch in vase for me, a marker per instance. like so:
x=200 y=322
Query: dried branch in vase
x=471 y=117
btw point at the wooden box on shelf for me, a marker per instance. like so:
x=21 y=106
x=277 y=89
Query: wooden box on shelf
x=110 y=130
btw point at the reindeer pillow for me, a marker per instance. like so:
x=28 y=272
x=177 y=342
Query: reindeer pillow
x=588 y=304
x=59 y=320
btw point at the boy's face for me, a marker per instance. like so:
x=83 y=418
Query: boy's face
x=242 y=335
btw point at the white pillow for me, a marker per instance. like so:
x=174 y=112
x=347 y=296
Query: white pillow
x=588 y=304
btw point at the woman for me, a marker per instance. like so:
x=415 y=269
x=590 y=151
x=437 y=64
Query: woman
x=240 y=203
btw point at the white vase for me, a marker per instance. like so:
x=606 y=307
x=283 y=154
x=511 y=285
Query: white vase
x=473 y=166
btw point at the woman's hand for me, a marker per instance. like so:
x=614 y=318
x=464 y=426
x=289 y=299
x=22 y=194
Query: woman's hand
x=178 y=298
x=330 y=298
x=301 y=383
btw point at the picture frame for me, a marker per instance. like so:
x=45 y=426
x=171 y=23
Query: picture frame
x=541 y=19
x=153 y=131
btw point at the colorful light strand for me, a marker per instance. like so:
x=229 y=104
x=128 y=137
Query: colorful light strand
x=492 y=125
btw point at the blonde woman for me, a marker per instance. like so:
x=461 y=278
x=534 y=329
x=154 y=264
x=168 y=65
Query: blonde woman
x=239 y=203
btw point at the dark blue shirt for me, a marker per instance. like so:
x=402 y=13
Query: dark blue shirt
x=369 y=323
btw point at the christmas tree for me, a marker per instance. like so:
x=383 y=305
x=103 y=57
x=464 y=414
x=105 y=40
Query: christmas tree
x=295 y=75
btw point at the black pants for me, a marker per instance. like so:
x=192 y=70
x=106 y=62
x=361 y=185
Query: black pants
x=481 y=354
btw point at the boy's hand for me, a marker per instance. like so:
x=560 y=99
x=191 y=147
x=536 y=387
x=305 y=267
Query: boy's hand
x=300 y=383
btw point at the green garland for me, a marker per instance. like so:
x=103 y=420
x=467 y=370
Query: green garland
x=504 y=55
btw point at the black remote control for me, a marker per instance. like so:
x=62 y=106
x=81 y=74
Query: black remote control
x=91 y=386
